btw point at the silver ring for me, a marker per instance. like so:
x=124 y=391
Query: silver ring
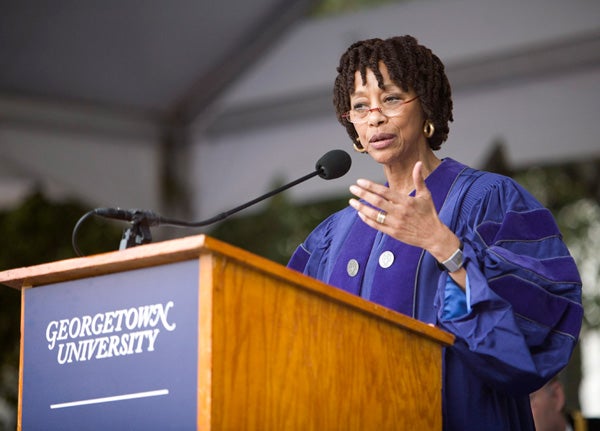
x=381 y=217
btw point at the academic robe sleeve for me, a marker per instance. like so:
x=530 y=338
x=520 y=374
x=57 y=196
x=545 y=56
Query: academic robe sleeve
x=309 y=257
x=524 y=312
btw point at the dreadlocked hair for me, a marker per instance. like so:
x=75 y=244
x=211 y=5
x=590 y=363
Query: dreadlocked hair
x=410 y=65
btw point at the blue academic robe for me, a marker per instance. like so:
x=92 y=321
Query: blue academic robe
x=519 y=320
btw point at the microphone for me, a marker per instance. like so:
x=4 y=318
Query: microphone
x=334 y=164
x=331 y=165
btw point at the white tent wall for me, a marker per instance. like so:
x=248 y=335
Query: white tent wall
x=99 y=157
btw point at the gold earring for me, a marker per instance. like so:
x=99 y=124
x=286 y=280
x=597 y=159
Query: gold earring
x=358 y=147
x=428 y=129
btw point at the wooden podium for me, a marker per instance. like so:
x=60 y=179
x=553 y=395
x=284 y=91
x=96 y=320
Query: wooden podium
x=197 y=334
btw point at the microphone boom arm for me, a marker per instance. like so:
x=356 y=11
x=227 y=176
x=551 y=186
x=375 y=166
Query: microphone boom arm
x=332 y=165
x=226 y=214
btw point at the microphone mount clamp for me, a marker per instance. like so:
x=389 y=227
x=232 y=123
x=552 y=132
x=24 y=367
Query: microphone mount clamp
x=138 y=232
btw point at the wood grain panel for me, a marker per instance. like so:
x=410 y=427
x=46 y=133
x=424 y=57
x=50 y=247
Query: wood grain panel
x=287 y=358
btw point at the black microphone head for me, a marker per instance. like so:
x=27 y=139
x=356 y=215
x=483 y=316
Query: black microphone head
x=334 y=164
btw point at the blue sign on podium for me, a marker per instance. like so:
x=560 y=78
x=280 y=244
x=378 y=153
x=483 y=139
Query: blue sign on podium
x=112 y=352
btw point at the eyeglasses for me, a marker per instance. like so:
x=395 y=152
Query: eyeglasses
x=391 y=107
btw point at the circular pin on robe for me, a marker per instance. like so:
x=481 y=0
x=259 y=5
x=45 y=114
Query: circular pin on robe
x=352 y=267
x=386 y=259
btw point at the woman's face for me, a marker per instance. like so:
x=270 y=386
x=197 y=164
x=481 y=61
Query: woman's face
x=388 y=139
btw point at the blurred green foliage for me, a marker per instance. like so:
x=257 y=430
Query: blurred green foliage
x=37 y=231
x=334 y=7
x=278 y=228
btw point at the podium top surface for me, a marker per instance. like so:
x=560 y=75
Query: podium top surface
x=115 y=261
x=192 y=247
